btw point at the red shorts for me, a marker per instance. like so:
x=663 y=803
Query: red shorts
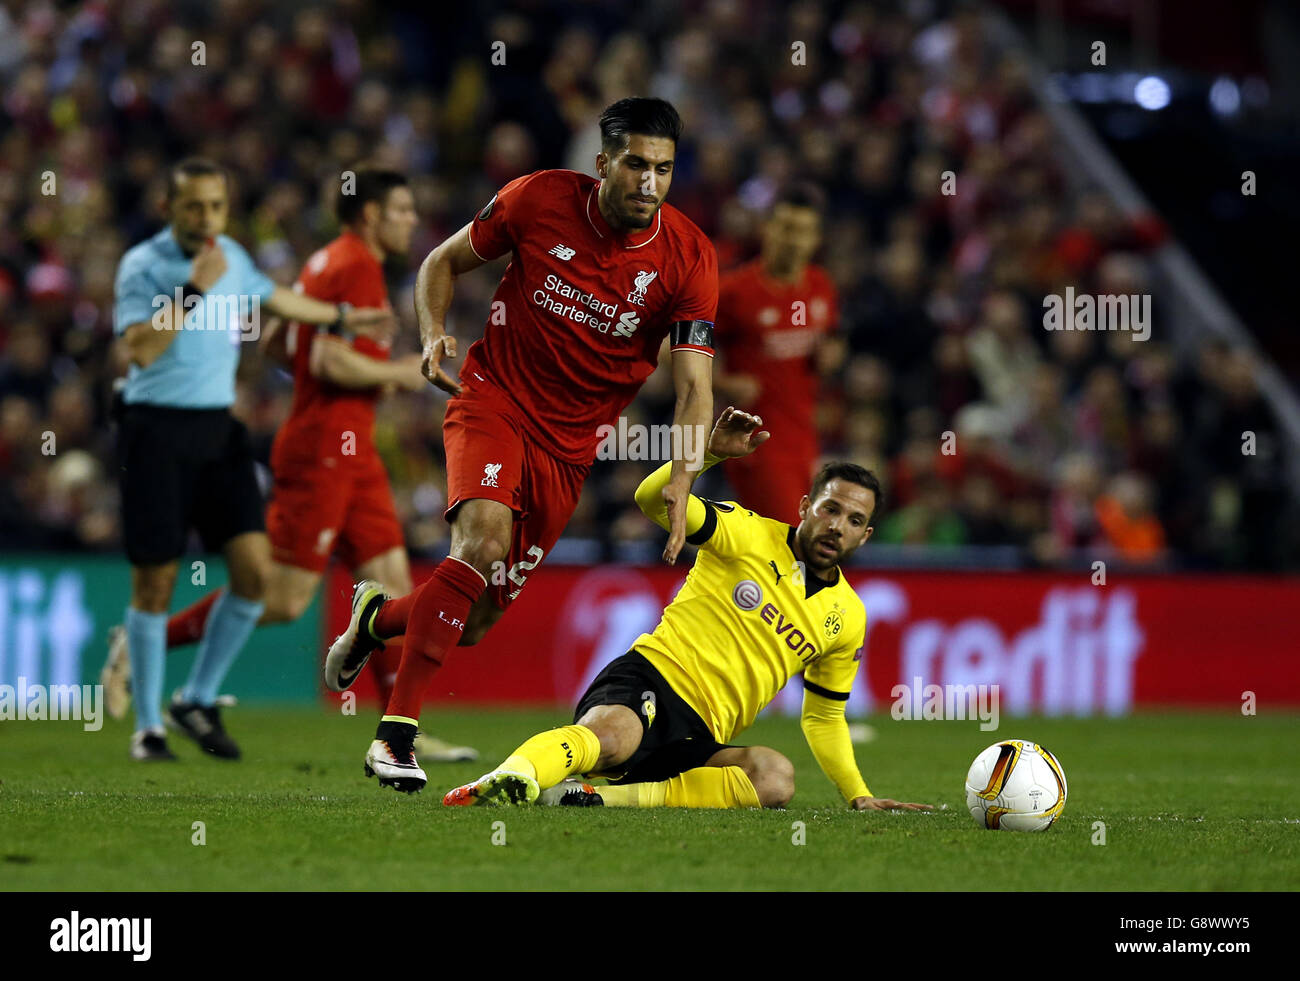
x=316 y=511
x=490 y=456
x=772 y=485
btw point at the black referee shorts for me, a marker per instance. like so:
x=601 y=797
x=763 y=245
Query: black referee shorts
x=183 y=469
x=675 y=738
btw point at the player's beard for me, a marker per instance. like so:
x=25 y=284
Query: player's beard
x=818 y=564
x=632 y=220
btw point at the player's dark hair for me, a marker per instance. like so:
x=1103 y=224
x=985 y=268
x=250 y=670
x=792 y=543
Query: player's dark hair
x=854 y=474
x=644 y=116
x=802 y=194
x=372 y=184
x=194 y=167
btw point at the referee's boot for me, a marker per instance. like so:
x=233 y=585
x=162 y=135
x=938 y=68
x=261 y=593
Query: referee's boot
x=202 y=723
x=352 y=648
x=391 y=758
x=150 y=746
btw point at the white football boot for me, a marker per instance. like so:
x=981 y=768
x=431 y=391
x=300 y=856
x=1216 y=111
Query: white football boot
x=352 y=648
x=395 y=766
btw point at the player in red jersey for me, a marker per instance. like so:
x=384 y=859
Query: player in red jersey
x=602 y=272
x=331 y=494
x=776 y=318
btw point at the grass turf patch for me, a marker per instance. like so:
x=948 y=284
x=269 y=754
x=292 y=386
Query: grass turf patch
x=1189 y=802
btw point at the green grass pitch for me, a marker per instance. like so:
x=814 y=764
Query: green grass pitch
x=1189 y=801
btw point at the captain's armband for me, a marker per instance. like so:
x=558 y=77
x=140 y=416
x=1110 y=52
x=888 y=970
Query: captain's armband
x=691 y=335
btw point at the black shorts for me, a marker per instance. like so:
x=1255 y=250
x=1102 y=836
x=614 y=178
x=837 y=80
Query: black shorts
x=183 y=469
x=675 y=738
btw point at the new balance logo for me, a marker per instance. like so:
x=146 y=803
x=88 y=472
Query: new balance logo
x=563 y=252
x=490 y=473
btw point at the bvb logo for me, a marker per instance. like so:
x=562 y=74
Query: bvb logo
x=833 y=625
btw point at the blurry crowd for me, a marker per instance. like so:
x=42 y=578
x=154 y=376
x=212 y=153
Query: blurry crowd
x=986 y=429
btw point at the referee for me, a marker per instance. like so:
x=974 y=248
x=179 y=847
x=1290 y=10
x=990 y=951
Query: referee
x=184 y=300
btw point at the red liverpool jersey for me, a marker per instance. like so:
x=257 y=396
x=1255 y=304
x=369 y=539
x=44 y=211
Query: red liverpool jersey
x=323 y=414
x=769 y=329
x=581 y=312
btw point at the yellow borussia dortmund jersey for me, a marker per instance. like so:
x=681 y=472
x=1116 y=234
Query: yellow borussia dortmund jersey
x=748 y=619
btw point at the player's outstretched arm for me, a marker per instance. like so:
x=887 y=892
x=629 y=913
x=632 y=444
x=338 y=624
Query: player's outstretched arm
x=375 y=322
x=433 y=291
x=734 y=434
x=650 y=499
x=335 y=361
x=693 y=381
x=827 y=732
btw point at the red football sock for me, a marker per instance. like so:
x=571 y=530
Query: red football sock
x=384 y=665
x=437 y=619
x=187 y=626
x=391 y=619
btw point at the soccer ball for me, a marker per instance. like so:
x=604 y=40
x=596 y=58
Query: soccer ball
x=1015 y=785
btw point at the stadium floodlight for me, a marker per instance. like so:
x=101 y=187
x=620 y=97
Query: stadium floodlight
x=1151 y=92
x=1225 y=97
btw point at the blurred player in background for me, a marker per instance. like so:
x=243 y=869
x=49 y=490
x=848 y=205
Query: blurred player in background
x=602 y=272
x=776 y=318
x=184 y=301
x=331 y=494
x=763 y=602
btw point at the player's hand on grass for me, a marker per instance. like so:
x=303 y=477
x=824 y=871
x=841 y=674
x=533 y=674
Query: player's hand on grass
x=676 y=493
x=378 y=323
x=443 y=346
x=208 y=266
x=736 y=433
x=885 y=804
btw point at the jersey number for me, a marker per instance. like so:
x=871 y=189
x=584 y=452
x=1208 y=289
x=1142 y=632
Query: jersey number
x=514 y=575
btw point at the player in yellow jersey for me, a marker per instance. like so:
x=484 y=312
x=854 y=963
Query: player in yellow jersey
x=763 y=602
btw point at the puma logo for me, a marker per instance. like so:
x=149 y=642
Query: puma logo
x=772 y=563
